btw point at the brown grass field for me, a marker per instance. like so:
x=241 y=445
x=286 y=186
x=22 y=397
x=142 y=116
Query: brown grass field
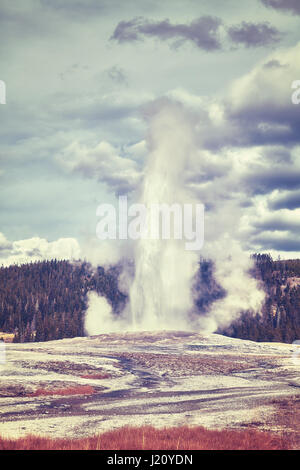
x=149 y=438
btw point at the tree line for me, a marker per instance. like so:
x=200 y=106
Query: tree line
x=279 y=320
x=47 y=300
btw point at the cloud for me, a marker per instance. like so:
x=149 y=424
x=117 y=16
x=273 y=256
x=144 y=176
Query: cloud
x=257 y=109
x=117 y=75
x=91 y=249
x=260 y=105
x=5 y=245
x=104 y=252
x=264 y=180
x=287 y=200
x=80 y=9
x=273 y=63
x=254 y=35
x=94 y=105
x=280 y=241
x=238 y=187
x=103 y=163
x=272 y=229
x=290 y=6
x=16 y=20
x=37 y=249
x=203 y=32
x=280 y=221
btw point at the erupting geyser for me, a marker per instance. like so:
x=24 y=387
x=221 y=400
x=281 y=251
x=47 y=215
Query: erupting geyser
x=160 y=293
x=160 y=296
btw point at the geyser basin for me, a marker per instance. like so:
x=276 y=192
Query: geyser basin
x=159 y=378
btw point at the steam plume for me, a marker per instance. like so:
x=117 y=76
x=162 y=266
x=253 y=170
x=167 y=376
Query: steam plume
x=232 y=267
x=160 y=295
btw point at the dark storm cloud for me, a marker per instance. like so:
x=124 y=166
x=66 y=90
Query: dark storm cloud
x=278 y=222
x=286 y=243
x=291 y=6
x=254 y=35
x=202 y=32
x=286 y=201
x=272 y=124
x=265 y=181
x=243 y=130
x=274 y=112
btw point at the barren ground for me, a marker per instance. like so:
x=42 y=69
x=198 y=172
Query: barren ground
x=157 y=378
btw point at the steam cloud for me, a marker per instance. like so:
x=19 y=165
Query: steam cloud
x=160 y=294
x=232 y=267
x=99 y=318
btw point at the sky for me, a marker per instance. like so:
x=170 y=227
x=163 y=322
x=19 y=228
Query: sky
x=79 y=75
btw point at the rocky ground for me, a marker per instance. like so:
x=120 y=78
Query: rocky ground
x=82 y=386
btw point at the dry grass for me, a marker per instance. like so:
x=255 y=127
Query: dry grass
x=6 y=337
x=287 y=417
x=78 y=390
x=149 y=438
